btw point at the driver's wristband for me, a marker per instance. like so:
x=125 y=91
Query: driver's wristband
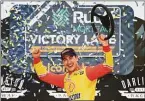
x=36 y=60
x=106 y=48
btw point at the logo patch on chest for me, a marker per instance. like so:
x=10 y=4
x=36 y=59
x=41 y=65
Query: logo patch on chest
x=71 y=87
x=79 y=73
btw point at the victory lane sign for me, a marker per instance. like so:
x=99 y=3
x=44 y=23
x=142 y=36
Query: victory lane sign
x=68 y=27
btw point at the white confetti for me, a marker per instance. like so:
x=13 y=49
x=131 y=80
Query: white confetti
x=106 y=85
x=118 y=71
x=116 y=77
x=128 y=25
x=122 y=41
x=122 y=49
x=34 y=95
x=39 y=90
x=135 y=56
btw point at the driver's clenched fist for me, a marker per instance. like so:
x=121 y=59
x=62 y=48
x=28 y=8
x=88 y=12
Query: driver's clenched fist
x=35 y=52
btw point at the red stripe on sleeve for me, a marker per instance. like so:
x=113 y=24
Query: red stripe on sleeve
x=36 y=60
x=106 y=48
x=55 y=79
x=94 y=72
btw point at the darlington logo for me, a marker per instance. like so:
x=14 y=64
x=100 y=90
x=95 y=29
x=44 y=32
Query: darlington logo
x=10 y=89
x=133 y=88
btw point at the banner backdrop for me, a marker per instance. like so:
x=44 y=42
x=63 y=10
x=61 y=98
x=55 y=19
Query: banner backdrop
x=55 y=25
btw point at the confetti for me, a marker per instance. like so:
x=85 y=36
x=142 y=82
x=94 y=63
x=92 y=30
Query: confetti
x=135 y=56
x=106 y=86
x=34 y=94
x=39 y=90
x=116 y=77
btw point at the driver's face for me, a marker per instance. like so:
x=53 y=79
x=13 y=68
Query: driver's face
x=70 y=62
